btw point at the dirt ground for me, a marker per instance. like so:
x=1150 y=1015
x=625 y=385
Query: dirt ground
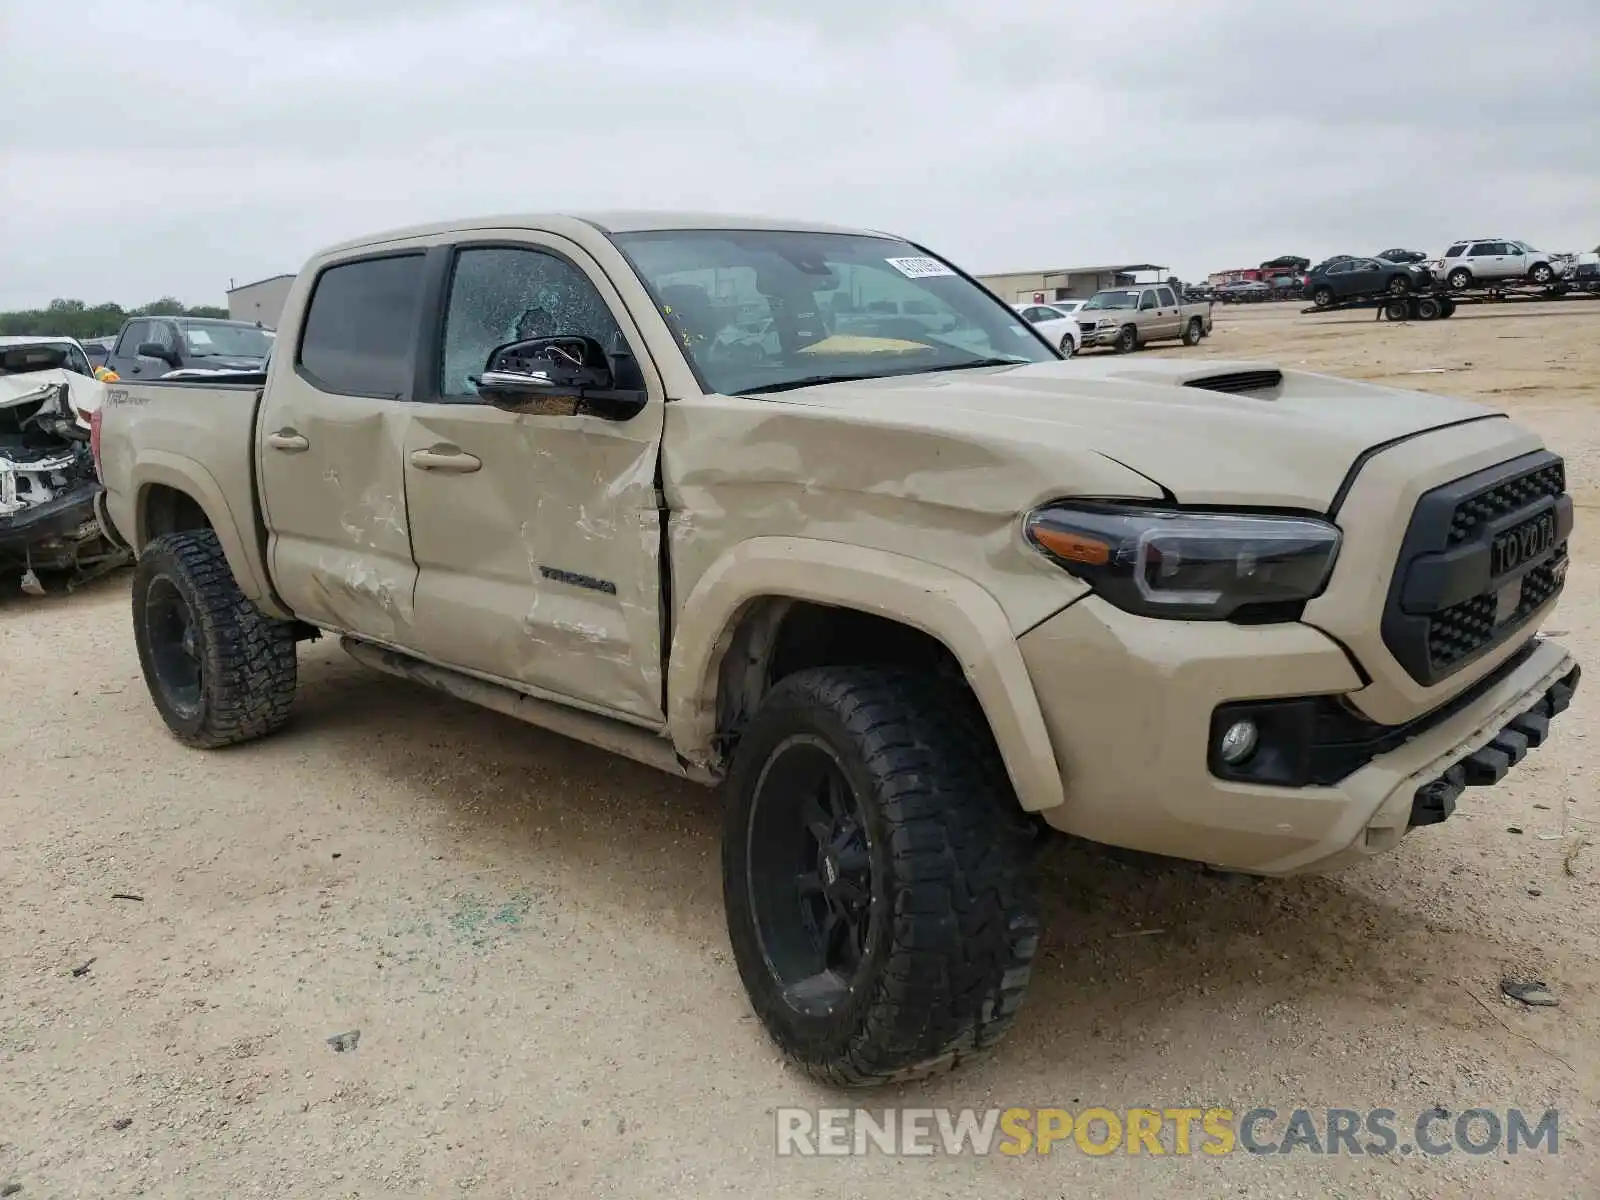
x=528 y=934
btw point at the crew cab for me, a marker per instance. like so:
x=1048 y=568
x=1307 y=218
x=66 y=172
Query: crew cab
x=150 y=346
x=913 y=595
x=1127 y=318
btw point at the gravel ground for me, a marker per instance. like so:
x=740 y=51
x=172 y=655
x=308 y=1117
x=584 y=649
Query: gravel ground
x=528 y=936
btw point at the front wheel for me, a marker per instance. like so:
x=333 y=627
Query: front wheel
x=1127 y=339
x=1399 y=286
x=1541 y=273
x=876 y=875
x=219 y=669
x=1192 y=332
x=1068 y=346
x=1459 y=278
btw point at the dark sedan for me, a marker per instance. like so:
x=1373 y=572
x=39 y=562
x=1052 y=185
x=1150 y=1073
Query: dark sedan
x=1398 y=255
x=1353 y=278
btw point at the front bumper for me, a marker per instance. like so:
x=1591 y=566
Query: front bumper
x=1129 y=703
x=1101 y=337
x=48 y=534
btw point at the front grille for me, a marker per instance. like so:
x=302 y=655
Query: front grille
x=1239 y=381
x=1460 y=630
x=1490 y=505
x=1446 y=607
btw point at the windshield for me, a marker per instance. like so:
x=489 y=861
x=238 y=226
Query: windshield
x=225 y=341
x=761 y=310
x=1122 y=299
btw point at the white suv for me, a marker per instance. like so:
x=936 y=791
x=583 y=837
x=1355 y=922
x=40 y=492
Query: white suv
x=1496 y=260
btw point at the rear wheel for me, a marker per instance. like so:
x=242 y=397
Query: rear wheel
x=1396 y=310
x=1068 y=346
x=876 y=875
x=1428 y=308
x=1447 y=307
x=219 y=670
x=1192 y=332
x=1127 y=339
x=1322 y=297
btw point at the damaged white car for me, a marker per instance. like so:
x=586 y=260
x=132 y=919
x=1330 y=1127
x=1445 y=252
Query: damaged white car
x=48 y=486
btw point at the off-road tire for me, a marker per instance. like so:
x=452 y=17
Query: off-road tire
x=247 y=663
x=1193 y=332
x=1127 y=339
x=954 y=925
x=1459 y=278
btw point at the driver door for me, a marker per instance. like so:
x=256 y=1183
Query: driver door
x=537 y=538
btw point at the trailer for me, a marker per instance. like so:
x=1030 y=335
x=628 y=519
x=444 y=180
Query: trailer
x=1441 y=301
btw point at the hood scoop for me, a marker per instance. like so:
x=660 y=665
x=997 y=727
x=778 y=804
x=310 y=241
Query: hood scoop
x=1239 y=382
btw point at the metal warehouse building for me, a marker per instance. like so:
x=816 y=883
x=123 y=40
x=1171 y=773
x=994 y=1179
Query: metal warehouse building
x=261 y=301
x=1063 y=283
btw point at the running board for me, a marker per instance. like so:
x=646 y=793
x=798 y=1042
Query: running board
x=617 y=737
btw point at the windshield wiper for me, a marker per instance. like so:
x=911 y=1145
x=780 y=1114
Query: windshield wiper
x=805 y=381
x=983 y=362
x=788 y=385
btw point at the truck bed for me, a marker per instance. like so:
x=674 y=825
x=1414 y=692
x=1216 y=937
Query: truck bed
x=196 y=436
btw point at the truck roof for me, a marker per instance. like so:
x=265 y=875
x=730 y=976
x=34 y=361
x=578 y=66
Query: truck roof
x=627 y=221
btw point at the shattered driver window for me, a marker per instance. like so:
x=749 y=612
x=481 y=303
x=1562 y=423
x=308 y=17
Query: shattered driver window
x=503 y=294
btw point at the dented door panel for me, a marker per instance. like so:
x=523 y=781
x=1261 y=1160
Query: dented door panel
x=340 y=546
x=541 y=566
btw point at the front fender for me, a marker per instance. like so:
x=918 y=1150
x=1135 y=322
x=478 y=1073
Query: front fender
x=949 y=607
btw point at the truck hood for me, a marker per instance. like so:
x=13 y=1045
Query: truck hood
x=1286 y=440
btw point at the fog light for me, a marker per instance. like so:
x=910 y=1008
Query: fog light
x=1238 y=742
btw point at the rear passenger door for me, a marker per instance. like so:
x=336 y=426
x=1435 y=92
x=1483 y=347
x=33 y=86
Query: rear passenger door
x=330 y=448
x=1171 y=323
x=537 y=538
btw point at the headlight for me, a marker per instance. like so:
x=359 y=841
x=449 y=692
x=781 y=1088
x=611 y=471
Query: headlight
x=1186 y=565
x=1106 y=322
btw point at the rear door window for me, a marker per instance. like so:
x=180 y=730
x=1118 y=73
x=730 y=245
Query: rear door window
x=1456 y=250
x=360 y=331
x=1168 y=300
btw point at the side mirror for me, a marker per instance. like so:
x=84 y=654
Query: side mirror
x=566 y=375
x=157 y=350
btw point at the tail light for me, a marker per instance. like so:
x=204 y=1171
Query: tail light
x=94 y=441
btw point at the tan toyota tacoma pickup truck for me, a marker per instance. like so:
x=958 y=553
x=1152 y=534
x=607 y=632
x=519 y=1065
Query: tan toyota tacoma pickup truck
x=911 y=590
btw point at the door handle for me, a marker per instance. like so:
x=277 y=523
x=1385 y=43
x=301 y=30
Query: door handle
x=288 y=440
x=450 y=459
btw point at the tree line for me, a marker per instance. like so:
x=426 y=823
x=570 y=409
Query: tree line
x=75 y=319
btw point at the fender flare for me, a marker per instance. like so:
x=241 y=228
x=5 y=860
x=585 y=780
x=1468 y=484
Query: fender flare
x=949 y=607
x=184 y=474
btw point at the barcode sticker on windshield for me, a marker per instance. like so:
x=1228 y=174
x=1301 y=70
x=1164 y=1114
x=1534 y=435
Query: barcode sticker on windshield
x=919 y=267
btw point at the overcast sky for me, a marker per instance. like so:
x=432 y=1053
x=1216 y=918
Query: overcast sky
x=166 y=148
